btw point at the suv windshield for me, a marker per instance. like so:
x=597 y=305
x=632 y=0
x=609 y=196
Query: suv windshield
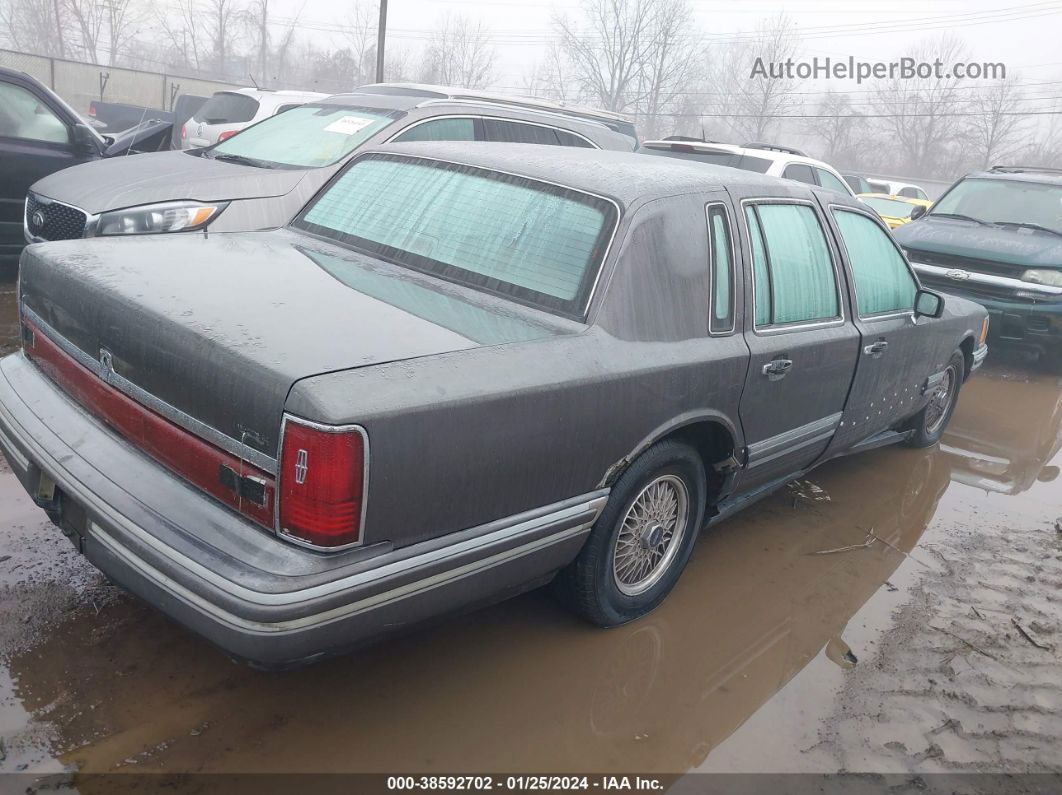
x=227 y=108
x=1005 y=201
x=537 y=243
x=309 y=136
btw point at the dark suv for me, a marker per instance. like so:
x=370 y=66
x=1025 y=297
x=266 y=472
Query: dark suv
x=996 y=237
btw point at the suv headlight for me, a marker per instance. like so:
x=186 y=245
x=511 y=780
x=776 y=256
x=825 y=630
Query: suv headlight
x=1049 y=277
x=153 y=218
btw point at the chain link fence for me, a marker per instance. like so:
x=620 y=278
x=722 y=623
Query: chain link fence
x=81 y=83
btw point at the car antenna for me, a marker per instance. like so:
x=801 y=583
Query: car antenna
x=255 y=82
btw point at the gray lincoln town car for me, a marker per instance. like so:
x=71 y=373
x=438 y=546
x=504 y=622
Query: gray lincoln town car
x=463 y=371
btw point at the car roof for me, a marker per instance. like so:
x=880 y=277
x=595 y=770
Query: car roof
x=1042 y=174
x=625 y=176
x=405 y=96
x=766 y=154
x=264 y=93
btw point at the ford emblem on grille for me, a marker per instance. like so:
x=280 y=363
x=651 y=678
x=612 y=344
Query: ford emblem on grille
x=958 y=275
x=36 y=221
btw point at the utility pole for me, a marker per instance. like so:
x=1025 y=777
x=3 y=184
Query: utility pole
x=380 y=35
x=59 y=29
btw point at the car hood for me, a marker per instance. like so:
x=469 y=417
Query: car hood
x=117 y=182
x=221 y=327
x=957 y=238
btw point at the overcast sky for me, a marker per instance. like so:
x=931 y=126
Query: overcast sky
x=1024 y=36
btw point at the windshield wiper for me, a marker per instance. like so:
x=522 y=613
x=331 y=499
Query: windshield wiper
x=241 y=159
x=961 y=217
x=1029 y=225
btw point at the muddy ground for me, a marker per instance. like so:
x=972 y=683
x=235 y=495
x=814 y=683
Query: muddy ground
x=896 y=612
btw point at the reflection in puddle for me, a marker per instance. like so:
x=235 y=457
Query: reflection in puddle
x=522 y=686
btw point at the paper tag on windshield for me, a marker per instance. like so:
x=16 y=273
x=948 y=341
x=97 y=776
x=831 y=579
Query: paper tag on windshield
x=348 y=125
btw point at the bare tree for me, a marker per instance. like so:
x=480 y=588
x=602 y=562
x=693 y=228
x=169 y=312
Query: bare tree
x=459 y=54
x=606 y=50
x=753 y=90
x=919 y=112
x=183 y=26
x=360 y=38
x=671 y=62
x=548 y=78
x=836 y=128
x=35 y=26
x=222 y=19
x=88 y=17
x=996 y=129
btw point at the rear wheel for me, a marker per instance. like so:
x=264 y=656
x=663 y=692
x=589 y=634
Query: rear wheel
x=641 y=542
x=930 y=422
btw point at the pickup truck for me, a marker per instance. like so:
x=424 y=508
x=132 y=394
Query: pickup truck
x=463 y=371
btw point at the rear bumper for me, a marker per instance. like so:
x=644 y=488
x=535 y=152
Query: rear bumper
x=257 y=597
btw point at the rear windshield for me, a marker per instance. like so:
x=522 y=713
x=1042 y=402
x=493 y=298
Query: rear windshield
x=309 y=136
x=715 y=158
x=227 y=108
x=536 y=243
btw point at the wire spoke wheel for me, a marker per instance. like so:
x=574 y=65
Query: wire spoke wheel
x=937 y=410
x=650 y=535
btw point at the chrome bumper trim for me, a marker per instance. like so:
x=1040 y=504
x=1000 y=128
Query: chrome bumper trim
x=414 y=588
x=973 y=277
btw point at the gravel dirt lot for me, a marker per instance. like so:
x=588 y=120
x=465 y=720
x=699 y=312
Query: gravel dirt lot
x=896 y=612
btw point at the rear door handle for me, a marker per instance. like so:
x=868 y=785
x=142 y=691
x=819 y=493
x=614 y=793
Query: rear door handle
x=777 y=368
x=876 y=349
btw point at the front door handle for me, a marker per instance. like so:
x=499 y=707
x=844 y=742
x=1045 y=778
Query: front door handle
x=876 y=349
x=777 y=368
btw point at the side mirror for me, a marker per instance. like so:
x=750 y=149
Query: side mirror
x=917 y=212
x=85 y=140
x=928 y=304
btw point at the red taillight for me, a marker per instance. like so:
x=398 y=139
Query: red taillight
x=184 y=131
x=92 y=109
x=322 y=480
x=226 y=135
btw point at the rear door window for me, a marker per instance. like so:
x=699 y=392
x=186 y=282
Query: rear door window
x=830 y=182
x=882 y=281
x=797 y=273
x=227 y=108
x=440 y=130
x=801 y=172
x=532 y=242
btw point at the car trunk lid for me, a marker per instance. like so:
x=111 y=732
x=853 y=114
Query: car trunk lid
x=215 y=331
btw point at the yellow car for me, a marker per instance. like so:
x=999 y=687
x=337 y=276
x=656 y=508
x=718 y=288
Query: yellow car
x=894 y=210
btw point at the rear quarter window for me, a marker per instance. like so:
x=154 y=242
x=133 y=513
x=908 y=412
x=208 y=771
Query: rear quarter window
x=533 y=242
x=227 y=108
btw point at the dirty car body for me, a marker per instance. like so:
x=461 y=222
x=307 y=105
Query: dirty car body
x=483 y=419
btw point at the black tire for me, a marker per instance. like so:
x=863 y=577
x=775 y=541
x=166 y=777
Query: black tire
x=590 y=586
x=929 y=424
